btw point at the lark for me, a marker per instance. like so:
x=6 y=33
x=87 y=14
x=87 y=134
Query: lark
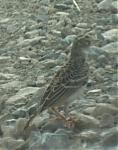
x=68 y=80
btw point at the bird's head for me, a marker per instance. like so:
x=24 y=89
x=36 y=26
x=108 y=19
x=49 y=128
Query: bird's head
x=82 y=43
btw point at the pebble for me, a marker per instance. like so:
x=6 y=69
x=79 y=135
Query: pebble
x=115 y=18
x=103 y=108
x=110 y=137
x=32 y=42
x=82 y=25
x=32 y=109
x=111 y=48
x=19 y=113
x=52 y=141
x=107 y=120
x=7 y=76
x=114 y=7
x=62 y=6
x=8 y=131
x=95 y=91
x=10 y=143
x=105 y=5
x=111 y=35
x=84 y=121
x=89 y=110
x=22 y=94
x=89 y=136
x=4 y=59
x=5 y=20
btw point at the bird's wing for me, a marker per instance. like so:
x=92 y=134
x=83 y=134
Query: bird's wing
x=64 y=81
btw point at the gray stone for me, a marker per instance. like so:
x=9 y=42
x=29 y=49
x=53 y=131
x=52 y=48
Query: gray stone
x=114 y=6
x=62 y=6
x=89 y=110
x=5 y=20
x=111 y=35
x=10 y=143
x=111 y=48
x=8 y=131
x=7 y=76
x=4 y=59
x=11 y=85
x=19 y=127
x=105 y=5
x=27 y=42
x=103 y=108
x=22 y=94
x=89 y=136
x=19 y=113
x=82 y=25
x=84 y=121
x=51 y=141
x=115 y=18
x=110 y=137
x=94 y=91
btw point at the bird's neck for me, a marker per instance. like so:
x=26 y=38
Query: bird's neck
x=78 y=57
x=77 y=60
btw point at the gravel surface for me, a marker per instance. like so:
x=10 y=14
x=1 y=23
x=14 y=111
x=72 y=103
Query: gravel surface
x=35 y=41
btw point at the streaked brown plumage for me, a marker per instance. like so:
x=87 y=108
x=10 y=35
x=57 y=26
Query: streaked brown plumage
x=70 y=78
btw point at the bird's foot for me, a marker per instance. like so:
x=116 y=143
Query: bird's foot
x=70 y=122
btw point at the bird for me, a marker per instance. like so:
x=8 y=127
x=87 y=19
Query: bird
x=68 y=80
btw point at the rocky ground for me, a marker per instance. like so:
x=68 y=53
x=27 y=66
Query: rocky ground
x=34 y=43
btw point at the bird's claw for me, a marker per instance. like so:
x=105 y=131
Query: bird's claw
x=70 y=122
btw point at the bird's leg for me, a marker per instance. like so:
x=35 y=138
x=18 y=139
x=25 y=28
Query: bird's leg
x=69 y=122
x=55 y=109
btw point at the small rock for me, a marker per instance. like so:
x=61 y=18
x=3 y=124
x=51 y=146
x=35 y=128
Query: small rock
x=95 y=91
x=114 y=101
x=84 y=121
x=105 y=5
x=7 y=76
x=111 y=35
x=89 y=136
x=19 y=113
x=10 y=143
x=106 y=120
x=62 y=6
x=52 y=141
x=115 y=18
x=34 y=33
x=45 y=2
x=27 y=42
x=50 y=64
x=22 y=94
x=20 y=124
x=5 y=20
x=32 y=109
x=88 y=111
x=8 y=131
x=5 y=59
x=95 y=52
x=11 y=85
x=62 y=13
x=52 y=124
x=103 y=108
x=110 y=137
x=111 y=48
x=82 y=25
x=114 y=7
